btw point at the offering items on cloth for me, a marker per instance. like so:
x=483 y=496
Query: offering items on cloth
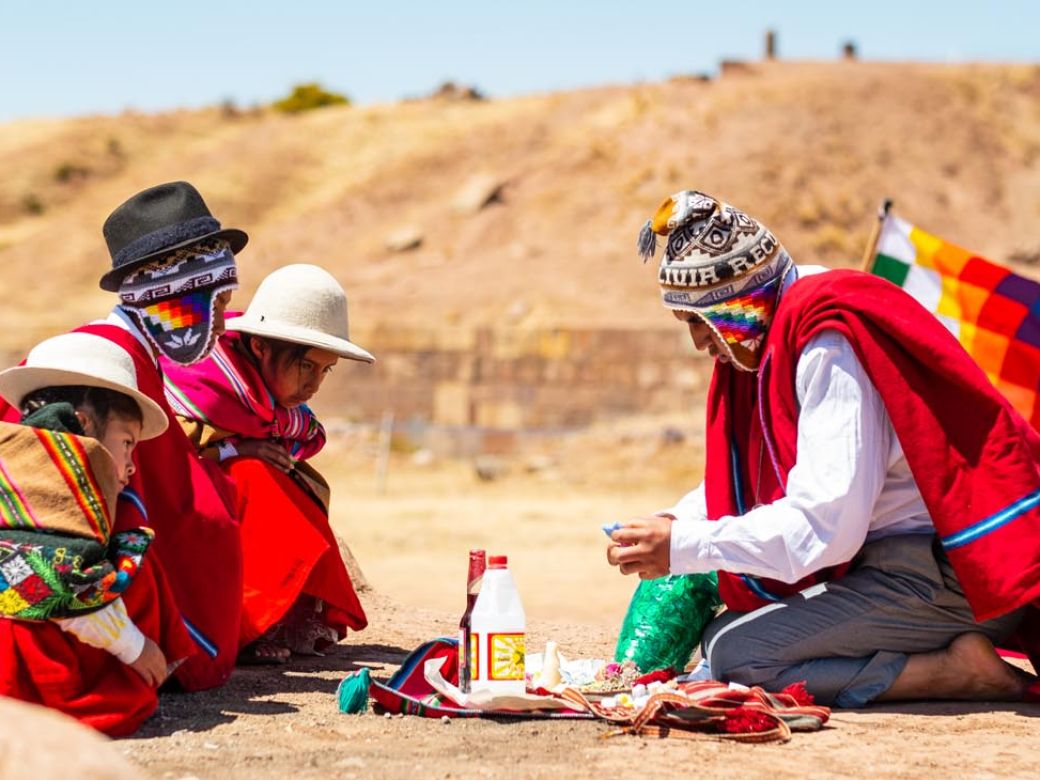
x=551 y=671
x=410 y=692
x=731 y=712
x=426 y=685
x=498 y=628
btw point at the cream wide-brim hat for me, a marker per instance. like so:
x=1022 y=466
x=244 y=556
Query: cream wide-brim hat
x=301 y=304
x=82 y=359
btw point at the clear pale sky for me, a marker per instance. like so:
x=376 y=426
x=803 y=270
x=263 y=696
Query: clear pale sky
x=72 y=57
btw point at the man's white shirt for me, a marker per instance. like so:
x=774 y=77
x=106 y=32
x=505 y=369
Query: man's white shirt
x=850 y=483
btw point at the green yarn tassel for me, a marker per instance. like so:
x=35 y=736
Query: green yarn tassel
x=353 y=692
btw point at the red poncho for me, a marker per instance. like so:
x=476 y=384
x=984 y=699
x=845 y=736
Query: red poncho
x=975 y=460
x=42 y=664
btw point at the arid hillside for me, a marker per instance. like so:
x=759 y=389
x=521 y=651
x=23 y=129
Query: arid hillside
x=810 y=148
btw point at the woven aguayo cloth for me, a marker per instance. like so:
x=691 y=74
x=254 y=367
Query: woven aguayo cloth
x=58 y=556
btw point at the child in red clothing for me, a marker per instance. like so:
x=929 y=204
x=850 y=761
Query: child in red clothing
x=246 y=406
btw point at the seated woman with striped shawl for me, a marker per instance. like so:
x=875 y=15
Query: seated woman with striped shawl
x=89 y=626
x=245 y=406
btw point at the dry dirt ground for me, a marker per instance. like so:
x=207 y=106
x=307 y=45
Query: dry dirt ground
x=411 y=541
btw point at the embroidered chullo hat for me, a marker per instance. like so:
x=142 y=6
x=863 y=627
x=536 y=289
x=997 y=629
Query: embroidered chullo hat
x=720 y=264
x=173 y=298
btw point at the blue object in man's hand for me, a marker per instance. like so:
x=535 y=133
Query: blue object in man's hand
x=610 y=528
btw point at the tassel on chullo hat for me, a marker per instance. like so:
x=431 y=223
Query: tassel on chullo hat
x=720 y=264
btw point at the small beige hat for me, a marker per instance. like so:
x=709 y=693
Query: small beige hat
x=82 y=359
x=302 y=304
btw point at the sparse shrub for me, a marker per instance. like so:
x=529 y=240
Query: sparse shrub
x=831 y=240
x=229 y=109
x=809 y=212
x=1029 y=257
x=449 y=90
x=32 y=204
x=115 y=148
x=402 y=443
x=306 y=97
x=68 y=171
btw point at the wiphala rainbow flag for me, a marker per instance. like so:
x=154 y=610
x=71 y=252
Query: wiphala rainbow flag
x=993 y=312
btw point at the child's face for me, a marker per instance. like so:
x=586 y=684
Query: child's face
x=120 y=438
x=293 y=384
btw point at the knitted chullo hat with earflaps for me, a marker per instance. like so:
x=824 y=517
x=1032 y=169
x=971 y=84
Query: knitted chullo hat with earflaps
x=720 y=264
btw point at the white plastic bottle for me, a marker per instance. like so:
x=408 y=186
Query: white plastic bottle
x=497 y=626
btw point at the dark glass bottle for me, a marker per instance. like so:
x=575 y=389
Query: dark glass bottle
x=467 y=659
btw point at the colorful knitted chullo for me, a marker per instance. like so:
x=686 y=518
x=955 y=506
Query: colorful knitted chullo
x=173 y=298
x=721 y=264
x=742 y=320
x=994 y=313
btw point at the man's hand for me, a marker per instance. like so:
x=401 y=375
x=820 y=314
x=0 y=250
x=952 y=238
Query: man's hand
x=642 y=546
x=151 y=664
x=266 y=450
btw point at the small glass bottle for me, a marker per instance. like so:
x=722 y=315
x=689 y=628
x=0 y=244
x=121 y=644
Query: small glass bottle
x=467 y=646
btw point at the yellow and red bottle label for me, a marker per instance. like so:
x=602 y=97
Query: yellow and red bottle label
x=505 y=656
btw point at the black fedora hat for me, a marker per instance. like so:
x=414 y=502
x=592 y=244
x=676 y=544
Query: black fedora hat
x=158 y=221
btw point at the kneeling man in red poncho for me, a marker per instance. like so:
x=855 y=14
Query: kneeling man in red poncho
x=870 y=502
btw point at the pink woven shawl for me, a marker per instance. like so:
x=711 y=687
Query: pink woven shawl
x=226 y=391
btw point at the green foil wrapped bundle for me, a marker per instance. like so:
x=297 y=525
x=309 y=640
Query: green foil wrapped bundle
x=665 y=620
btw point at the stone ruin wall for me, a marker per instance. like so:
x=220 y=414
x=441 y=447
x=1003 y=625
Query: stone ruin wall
x=465 y=391
x=513 y=380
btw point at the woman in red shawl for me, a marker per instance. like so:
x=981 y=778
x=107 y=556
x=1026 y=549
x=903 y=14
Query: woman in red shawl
x=245 y=406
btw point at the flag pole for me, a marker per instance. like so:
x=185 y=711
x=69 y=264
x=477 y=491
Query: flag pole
x=868 y=255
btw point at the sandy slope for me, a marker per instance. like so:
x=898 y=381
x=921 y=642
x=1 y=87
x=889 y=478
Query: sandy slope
x=810 y=148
